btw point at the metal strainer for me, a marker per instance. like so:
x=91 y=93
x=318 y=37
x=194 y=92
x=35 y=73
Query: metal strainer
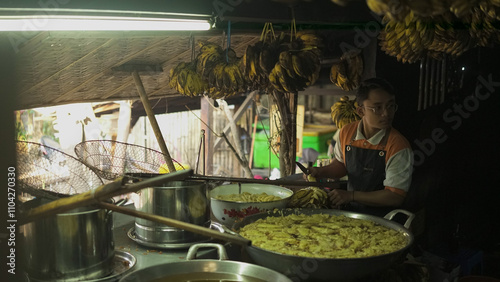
x=44 y=171
x=111 y=159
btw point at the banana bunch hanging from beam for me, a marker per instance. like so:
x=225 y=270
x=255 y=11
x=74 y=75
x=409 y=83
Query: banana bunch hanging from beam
x=483 y=20
x=209 y=56
x=259 y=60
x=407 y=40
x=226 y=80
x=294 y=71
x=346 y=73
x=220 y=68
x=298 y=66
x=435 y=27
x=284 y=63
x=344 y=112
x=186 y=80
x=448 y=40
x=395 y=10
x=310 y=197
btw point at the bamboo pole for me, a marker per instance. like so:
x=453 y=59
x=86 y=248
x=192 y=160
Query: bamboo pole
x=178 y=224
x=277 y=182
x=101 y=193
x=152 y=120
x=254 y=130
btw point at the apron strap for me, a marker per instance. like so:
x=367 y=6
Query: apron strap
x=382 y=143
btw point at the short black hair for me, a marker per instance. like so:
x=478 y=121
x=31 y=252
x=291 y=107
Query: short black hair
x=370 y=84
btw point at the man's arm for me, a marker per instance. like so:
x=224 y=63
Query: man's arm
x=335 y=169
x=379 y=198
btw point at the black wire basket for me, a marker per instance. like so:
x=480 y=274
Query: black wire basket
x=44 y=171
x=112 y=159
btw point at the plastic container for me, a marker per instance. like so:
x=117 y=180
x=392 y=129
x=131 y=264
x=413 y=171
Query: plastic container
x=261 y=152
x=317 y=137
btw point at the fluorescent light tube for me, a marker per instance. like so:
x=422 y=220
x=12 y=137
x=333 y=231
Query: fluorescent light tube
x=96 y=23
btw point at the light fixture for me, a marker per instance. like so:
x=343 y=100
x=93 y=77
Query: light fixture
x=93 y=20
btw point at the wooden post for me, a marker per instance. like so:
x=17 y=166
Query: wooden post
x=250 y=157
x=293 y=137
x=152 y=120
x=237 y=116
x=207 y=117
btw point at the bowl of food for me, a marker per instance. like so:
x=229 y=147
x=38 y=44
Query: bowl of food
x=232 y=202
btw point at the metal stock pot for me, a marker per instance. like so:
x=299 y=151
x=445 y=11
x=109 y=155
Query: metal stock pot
x=181 y=200
x=70 y=246
x=205 y=270
x=319 y=269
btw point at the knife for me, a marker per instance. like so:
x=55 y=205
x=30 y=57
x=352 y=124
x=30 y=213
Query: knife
x=306 y=171
x=302 y=167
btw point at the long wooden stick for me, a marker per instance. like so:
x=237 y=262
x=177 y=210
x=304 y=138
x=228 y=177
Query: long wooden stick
x=178 y=224
x=101 y=193
x=250 y=157
x=152 y=120
x=278 y=182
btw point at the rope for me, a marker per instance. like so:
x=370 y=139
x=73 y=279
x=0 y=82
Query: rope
x=228 y=40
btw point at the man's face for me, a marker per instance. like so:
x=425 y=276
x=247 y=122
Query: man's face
x=378 y=110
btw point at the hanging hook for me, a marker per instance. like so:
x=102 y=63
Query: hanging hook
x=228 y=40
x=293 y=28
x=191 y=45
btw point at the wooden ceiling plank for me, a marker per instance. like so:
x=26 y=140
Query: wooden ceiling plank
x=95 y=77
x=29 y=45
x=119 y=89
x=48 y=79
x=64 y=96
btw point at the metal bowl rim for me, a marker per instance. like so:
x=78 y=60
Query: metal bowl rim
x=283 y=189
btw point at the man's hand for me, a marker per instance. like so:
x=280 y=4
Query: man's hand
x=339 y=197
x=312 y=173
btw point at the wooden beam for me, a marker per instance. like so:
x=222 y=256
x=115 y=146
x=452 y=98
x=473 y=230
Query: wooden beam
x=236 y=117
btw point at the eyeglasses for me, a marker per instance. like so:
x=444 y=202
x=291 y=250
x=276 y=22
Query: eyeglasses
x=378 y=110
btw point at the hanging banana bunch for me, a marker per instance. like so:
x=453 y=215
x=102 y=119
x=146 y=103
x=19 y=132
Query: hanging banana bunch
x=450 y=40
x=186 y=80
x=436 y=27
x=221 y=69
x=226 y=79
x=185 y=77
x=209 y=56
x=461 y=8
x=285 y=63
x=299 y=66
x=482 y=20
x=395 y=10
x=259 y=59
x=344 y=112
x=427 y=8
x=346 y=74
x=407 y=40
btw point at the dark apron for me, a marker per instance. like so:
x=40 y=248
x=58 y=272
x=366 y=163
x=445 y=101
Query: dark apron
x=366 y=172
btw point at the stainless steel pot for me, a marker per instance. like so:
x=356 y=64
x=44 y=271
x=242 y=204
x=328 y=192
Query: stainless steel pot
x=181 y=200
x=315 y=269
x=206 y=270
x=71 y=246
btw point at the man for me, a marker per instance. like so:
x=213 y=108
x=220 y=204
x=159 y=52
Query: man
x=376 y=158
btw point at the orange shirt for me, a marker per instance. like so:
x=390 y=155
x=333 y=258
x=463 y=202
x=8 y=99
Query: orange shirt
x=398 y=157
